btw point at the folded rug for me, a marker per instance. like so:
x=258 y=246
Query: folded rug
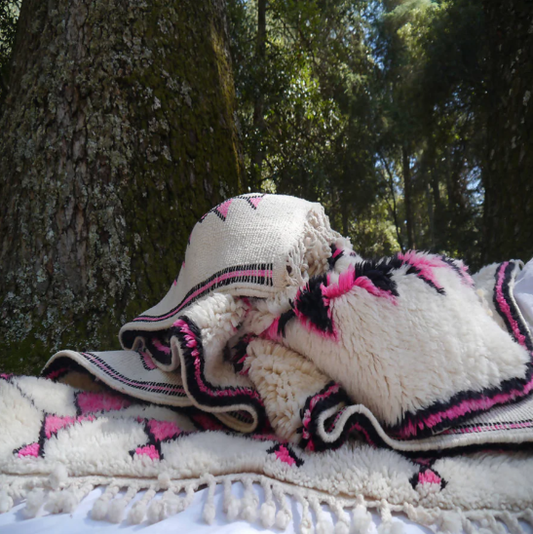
x=277 y=329
x=254 y=245
x=403 y=348
x=409 y=338
x=404 y=368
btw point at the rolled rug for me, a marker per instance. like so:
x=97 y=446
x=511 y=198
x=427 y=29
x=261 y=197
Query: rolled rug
x=400 y=350
x=254 y=245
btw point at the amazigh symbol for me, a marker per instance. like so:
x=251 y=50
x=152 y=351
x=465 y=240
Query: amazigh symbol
x=51 y=425
x=285 y=454
x=157 y=432
x=254 y=200
x=87 y=404
x=427 y=476
x=221 y=211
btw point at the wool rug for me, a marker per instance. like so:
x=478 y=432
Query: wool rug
x=58 y=442
x=279 y=356
x=273 y=315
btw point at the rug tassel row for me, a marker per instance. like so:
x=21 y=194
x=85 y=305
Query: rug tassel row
x=57 y=494
x=117 y=507
x=170 y=502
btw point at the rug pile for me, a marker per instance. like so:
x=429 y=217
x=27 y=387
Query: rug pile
x=279 y=356
x=58 y=442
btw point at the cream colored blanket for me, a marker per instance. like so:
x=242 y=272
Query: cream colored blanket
x=280 y=356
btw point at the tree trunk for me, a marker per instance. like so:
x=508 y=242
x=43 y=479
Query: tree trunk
x=431 y=216
x=439 y=218
x=508 y=171
x=408 y=195
x=117 y=135
x=259 y=104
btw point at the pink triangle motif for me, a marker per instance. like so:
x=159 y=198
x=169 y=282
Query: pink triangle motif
x=29 y=450
x=148 y=450
x=223 y=208
x=54 y=423
x=255 y=201
x=429 y=477
x=283 y=454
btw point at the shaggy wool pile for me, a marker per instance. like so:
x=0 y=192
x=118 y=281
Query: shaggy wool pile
x=279 y=356
x=58 y=442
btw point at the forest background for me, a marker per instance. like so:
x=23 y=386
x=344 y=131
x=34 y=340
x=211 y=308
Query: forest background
x=409 y=120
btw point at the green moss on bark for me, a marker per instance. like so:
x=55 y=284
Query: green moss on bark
x=118 y=134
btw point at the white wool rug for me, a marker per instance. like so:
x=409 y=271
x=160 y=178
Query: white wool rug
x=281 y=358
x=59 y=442
x=275 y=324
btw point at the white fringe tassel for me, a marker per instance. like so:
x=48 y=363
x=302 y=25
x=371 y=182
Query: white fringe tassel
x=388 y=525
x=284 y=516
x=343 y=518
x=117 y=507
x=306 y=523
x=138 y=510
x=60 y=494
x=101 y=506
x=323 y=525
x=6 y=502
x=267 y=513
x=250 y=502
x=209 y=506
x=66 y=500
x=361 y=518
x=231 y=504
x=34 y=501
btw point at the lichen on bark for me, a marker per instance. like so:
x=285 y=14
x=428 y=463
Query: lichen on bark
x=117 y=134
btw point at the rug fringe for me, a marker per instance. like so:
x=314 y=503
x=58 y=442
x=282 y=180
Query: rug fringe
x=267 y=512
x=6 y=502
x=117 y=507
x=284 y=515
x=58 y=494
x=139 y=509
x=101 y=506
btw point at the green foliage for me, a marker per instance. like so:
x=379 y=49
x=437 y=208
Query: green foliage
x=433 y=55
x=375 y=108
x=318 y=136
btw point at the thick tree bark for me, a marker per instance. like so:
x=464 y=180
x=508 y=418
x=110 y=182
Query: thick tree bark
x=259 y=104
x=439 y=210
x=508 y=172
x=117 y=135
x=408 y=196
